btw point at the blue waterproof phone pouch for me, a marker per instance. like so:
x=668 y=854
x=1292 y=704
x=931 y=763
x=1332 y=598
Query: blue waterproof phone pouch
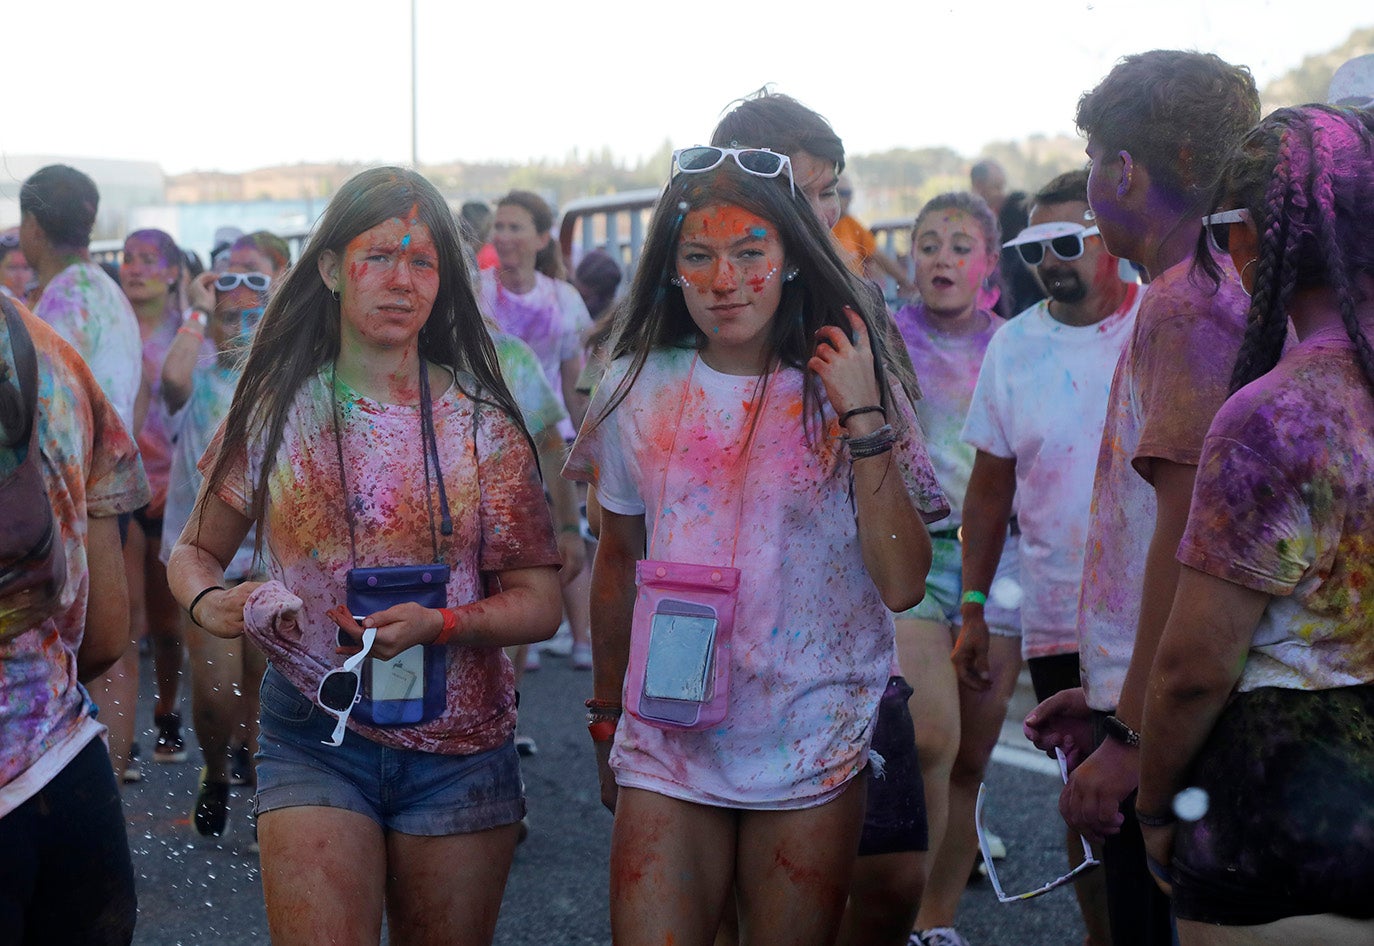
x=411 y=687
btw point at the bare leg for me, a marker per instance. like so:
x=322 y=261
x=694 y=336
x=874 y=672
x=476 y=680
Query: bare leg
x=980 y=719
x=1091 y=890
x=323 y=875
x=923 y=648
x=162 y=616
x=254 y=666
x=797 y=864
x=883 y=898
x=1318 y=930
x=672 y=868
x=216 y=678
x=116 y=693
x=577 y=602
x=447 y=890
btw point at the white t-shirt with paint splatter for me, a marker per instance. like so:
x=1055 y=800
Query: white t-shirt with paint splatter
x=813 y=643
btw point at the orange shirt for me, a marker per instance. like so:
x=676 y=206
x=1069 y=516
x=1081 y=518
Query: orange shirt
x=857 y=241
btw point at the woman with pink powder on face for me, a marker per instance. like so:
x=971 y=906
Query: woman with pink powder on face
x=370 y=372
x=751 y=415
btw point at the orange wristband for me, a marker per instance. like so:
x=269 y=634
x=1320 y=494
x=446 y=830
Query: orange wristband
x=446 y=632
x=602 y=730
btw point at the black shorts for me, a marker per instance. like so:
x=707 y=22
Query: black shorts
x=1054 y=674
x=152 y=527
x=66 y=875
x=896 y=817
x=1289 y=828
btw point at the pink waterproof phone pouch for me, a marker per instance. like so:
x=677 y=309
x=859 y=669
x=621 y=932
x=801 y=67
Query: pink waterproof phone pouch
x=679 y=672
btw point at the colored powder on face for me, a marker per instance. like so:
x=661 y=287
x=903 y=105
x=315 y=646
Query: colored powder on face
x=405 y=241
x=759 y=232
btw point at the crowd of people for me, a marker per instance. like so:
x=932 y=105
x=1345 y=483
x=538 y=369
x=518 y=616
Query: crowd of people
x=1118 y=429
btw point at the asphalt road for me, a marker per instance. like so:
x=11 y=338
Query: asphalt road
x=192 y=891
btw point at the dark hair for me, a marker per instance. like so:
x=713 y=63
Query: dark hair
x=655 y=314
x=1306 y=175
x=968 y=203
x=166 y=247
x=1177 y=113
x=765 y=119
x=63 y=200
x=549 y=260
x=1067 y=187
x=269 y=245
x=981 y=171
x=300 y=331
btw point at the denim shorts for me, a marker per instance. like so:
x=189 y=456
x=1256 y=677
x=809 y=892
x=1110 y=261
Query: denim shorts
x=405 y=790
x=944 y=588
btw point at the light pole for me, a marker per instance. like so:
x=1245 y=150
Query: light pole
x=414 y=96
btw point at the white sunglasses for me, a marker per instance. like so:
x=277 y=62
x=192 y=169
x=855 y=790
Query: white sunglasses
x=340 y=689
x=760 y=162
x=1088 y=860
x=1218 y=227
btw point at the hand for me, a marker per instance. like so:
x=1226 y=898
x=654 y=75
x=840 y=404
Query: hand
x=573 y=551
x=1159 y=853
x=1063 y=721
x=971 y=653
x=846 y=370
x=221 y=611
x=609 y=790
x=200 y=292
x=399 y=627
x=1091 y=801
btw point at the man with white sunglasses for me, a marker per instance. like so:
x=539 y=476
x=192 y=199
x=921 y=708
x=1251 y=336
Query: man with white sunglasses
x=1036 y=419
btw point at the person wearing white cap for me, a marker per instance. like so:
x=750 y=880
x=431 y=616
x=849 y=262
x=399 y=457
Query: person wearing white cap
x=1353 y=83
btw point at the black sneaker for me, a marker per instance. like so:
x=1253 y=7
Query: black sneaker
x=211 y=814
x=133 y=768
x=170 y=746
x=241 y=770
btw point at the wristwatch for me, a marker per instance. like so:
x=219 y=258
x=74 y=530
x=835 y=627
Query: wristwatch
x=1122 y=733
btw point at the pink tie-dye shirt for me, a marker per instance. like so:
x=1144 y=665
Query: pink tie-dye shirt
x=551 y=318
x=91 y=469
x=1173 y=376
x=500 y=522
x=813 y=643
x=1284 y=504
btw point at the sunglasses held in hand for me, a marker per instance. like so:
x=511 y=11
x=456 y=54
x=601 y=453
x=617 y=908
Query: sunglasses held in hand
x=1088 y=860
x=340 y=689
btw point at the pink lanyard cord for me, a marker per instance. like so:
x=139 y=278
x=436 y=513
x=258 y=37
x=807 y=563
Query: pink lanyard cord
x=748 y=455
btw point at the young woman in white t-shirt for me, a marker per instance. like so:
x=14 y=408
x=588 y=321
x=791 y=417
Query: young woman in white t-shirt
x=751 y=417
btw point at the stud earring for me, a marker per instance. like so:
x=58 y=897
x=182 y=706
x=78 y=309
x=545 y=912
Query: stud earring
x=791 y=275
x=678 y=281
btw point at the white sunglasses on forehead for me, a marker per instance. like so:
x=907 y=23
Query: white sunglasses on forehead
x=760 y=162
x=1088 y=860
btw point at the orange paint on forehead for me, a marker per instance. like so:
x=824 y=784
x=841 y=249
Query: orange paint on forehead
x=410 y=230
x=724 y=222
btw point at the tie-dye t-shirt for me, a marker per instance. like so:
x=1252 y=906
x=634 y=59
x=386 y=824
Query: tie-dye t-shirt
x=1173 y=376
x=88 y=309
x=1041 y=401
x=91 y=469
x=812 y=645
x=500 y=522
x=1284 y=504
x=192 y=428
x=551 y=318
x=539 y=404
x=947 y=369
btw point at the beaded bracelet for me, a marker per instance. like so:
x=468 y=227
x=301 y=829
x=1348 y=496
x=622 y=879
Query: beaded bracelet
x=599 y=707
x=871 y=445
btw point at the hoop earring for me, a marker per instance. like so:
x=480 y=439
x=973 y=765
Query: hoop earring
x=1248 y=264
x=335 y=294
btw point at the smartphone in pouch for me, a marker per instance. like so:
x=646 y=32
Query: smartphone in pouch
x=400 y=679
x=679 y=669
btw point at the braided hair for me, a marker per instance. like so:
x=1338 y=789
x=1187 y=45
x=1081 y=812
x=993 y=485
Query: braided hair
x=1306 y=175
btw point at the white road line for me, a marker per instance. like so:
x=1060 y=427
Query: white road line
x=1032 y=760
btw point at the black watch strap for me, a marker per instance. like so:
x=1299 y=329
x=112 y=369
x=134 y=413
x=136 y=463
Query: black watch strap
x=1122 y=733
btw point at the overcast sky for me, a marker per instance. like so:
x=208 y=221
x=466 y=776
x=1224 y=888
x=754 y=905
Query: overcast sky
x=244 y=84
